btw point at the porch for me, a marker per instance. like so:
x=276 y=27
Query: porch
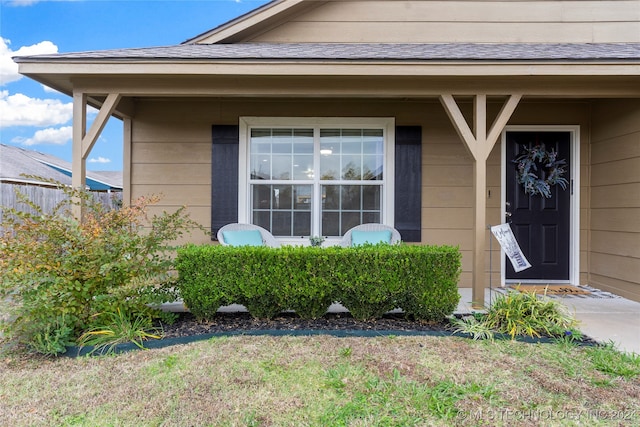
x=462 y=97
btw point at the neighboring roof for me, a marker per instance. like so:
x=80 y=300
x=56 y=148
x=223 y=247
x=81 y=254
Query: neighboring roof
x=362 y=52
x=16 y=161
x=113 y=178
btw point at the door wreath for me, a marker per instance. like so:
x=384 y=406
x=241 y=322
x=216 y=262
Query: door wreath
x=539 y=170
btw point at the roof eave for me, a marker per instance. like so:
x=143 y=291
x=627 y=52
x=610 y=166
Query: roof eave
x=44 y=70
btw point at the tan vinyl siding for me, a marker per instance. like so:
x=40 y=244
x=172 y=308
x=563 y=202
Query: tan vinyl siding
x=171 y=157
x=171 y=154
x=615 y=197
x=461 y=21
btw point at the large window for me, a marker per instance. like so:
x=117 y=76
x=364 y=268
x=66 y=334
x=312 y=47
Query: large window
x=307 y=177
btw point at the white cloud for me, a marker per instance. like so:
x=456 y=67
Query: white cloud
x=47 y=89
x=59 y=136
x=8 y=68
x=100 y=159
x=21 y=110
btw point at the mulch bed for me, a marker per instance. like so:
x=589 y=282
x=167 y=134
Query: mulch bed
x=188 y=325
x=189 y=329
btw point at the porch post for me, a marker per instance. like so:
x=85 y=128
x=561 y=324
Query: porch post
x=479 y=231
x=126 y=167
x=480 y=200
x=84 y=141
x=78 y=165
x=479 y=143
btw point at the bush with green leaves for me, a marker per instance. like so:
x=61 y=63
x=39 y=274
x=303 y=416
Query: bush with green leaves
x=431 y=290
x=257 y=280
x=58 y=272
x=113 y=328
x=521 y=313
x=204 y=285
x=368 y=280
x=310 y=290
x=474 y=326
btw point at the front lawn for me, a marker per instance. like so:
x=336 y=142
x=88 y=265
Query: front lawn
x=327 y=381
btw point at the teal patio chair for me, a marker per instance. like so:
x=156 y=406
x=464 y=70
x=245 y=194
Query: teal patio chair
x=370 y=233
x=237 y=234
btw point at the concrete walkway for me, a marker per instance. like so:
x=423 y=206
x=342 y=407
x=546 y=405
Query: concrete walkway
x=604 y=319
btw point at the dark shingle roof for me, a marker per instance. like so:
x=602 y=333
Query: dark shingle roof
x=364 y=51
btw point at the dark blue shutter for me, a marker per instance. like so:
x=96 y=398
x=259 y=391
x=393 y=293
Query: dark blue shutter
x=224 y=176
x=408 y=183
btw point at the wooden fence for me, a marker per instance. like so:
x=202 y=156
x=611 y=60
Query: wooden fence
x=47 y=198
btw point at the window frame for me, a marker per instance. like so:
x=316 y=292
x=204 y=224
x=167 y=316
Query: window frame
x=387 y=124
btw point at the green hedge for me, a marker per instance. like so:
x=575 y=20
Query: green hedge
x=368 y=280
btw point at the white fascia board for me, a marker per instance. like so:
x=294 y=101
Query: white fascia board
x=328 y=68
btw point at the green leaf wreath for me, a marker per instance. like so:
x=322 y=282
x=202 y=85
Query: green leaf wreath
x=539 y=170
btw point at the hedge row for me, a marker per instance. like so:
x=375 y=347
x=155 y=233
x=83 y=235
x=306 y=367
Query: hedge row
x=368 y=280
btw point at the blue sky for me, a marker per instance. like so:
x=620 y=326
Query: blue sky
x=37 y=118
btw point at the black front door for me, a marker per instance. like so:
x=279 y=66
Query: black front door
x=541 y=224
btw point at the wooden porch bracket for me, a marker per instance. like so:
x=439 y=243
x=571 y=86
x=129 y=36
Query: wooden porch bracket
x=84 y=141
x=479 y=143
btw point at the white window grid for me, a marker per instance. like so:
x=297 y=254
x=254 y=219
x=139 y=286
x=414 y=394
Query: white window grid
x=387 y=125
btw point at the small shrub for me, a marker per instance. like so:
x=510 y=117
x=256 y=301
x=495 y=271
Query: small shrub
x=205 y=284
x=258 y=280
x=472 y=326
x=431 y=291
x=53 y=337
x=116 y=328
x=369 y=280
x=525 y=313
x=55 y=267
x=309 y=290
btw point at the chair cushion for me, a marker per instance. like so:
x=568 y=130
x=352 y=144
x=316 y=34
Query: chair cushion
x=372 y=237
x=243 y=238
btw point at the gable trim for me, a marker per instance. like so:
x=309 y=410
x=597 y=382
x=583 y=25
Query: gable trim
x=253 y=22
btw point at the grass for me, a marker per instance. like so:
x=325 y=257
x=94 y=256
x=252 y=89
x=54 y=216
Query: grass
x=327 y=381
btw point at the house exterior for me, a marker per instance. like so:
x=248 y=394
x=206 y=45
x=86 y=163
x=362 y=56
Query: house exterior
x=308 y=117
